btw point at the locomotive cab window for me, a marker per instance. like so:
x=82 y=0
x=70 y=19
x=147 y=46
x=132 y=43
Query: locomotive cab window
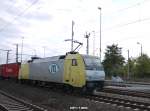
x=74 y=62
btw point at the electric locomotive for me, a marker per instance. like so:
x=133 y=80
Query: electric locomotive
x=73 y=69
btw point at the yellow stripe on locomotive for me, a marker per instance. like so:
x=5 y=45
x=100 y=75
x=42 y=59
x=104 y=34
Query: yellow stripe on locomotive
x=24 y=71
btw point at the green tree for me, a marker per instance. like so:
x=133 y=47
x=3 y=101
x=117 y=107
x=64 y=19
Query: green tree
x=143 y=66
x=132 y=68
x=113 y=60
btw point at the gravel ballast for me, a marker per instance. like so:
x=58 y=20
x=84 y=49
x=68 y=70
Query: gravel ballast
x=55 y=101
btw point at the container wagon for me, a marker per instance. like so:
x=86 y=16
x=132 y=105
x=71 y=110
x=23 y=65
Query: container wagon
x=10 y=70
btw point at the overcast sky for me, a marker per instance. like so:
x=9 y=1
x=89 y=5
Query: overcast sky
x=47 y=23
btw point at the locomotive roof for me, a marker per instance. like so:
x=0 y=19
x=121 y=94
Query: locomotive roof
x=53 y=58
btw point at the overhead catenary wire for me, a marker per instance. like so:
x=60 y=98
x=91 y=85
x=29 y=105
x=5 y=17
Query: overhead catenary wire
x=122 y=24
x=128 y=23
x=125 y=24
x=19 y=15
x=129 y=7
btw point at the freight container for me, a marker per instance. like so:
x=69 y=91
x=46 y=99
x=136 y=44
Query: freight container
x=10 y=70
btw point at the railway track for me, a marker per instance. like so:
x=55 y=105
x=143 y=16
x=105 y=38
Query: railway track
x=142 y=106
x=128 y=92
x=11 y=103
x=104 y=97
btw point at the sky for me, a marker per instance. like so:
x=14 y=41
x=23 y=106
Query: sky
x=46 y=24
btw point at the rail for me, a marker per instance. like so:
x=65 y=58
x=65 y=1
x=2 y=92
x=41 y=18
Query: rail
x=120 y=101
x=11 y=103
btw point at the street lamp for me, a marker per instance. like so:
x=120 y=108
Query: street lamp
x=99 y=8
x=141 y=47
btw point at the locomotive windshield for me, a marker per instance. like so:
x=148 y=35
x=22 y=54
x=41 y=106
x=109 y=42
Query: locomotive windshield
x=92 y=63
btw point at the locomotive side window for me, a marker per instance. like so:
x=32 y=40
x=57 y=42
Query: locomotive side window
x=74 y=62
